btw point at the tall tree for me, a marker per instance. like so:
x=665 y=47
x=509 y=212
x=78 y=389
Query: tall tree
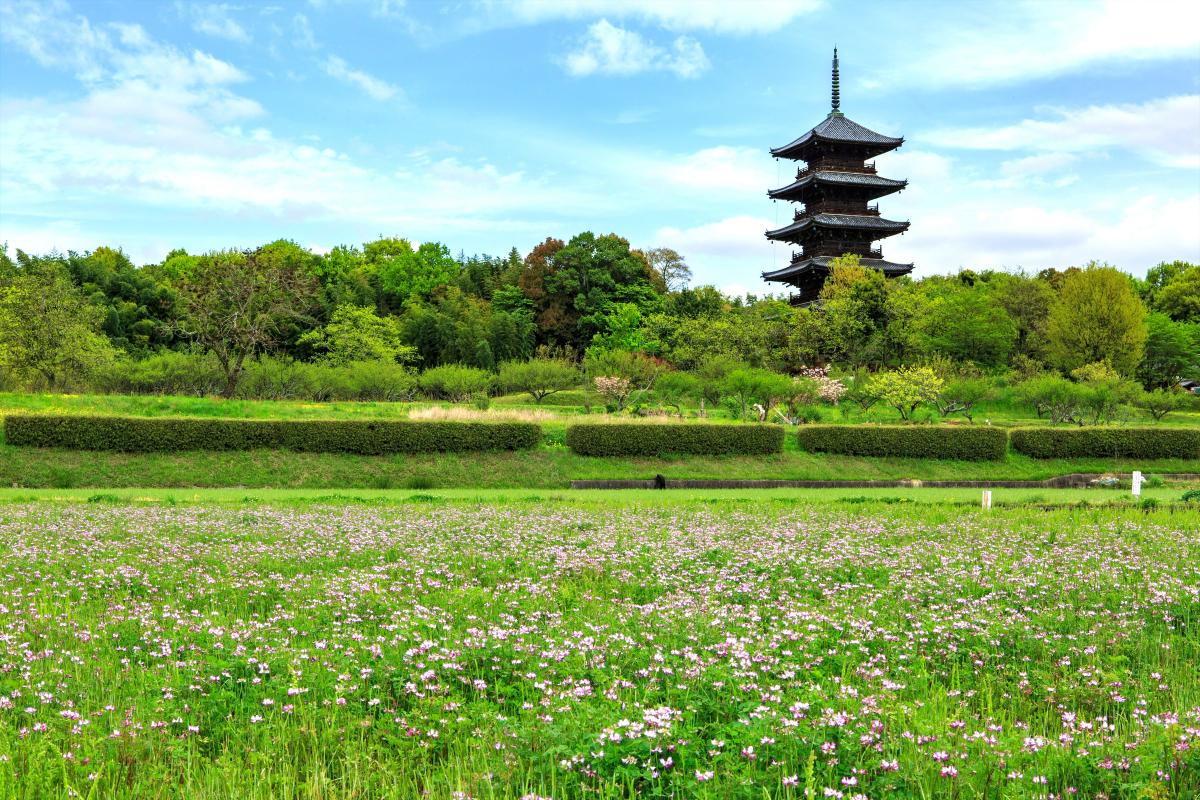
x=675 y=273
x=968 y=325
x=573 y=286
x=240 y=304
x=1170 y=353
x=355 y=333
x=1096 y=317
x=1179 y=298
x=49 y=329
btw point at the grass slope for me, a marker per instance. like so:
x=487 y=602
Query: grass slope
x=550 y=466
x=547 y=468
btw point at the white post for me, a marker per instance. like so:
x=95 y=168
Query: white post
x=1137 y=484
x=987 y=498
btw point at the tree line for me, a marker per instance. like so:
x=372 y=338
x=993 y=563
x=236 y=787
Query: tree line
x=94 y=319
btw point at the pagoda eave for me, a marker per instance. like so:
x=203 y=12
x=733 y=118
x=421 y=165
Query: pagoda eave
x=820 y=265
x=869 y=226
x=864 y=186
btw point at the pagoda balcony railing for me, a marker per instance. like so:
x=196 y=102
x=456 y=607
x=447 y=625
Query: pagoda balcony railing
x=835 y=166
x=836 y=208
x=829 y=253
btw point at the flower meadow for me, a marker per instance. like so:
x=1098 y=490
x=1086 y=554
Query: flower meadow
x=572 y=650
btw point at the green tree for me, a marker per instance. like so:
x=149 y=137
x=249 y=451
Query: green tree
x=574 y=286
x=907 y=388
x=1104 y=391
x=455 y=328
x=405 y=272
x=961 y=394
x=1027 y=301
x=540 y=377
x=354 y=334
x=1170 y=353
x=1179 y=298
x=1161 y=402
x=1159 y=276
x=673 y=389
x=239 y=304
x=621 y=329
x=49 y=329
x=1096 y=317
x=751 y=385
x=968 y=325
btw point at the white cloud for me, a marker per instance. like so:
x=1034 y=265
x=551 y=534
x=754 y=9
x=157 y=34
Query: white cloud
x=731 y=247
x=303 y=33
x=375 y=87
x=1037 y=165
x=719 y=16
x=1165 y=130
x=977 y=44
x=994 y=235
x=161 y=129
x=723 y=168
x=53 y=37
x=609 y=50
x=1027 y=219
x=214 y=19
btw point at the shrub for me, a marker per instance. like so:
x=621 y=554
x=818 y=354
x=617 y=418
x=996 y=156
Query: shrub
x=1107 y=442
x=647 y=439
x=966 y=444
x=168 y=372
x=170 y=434
x=455 y=382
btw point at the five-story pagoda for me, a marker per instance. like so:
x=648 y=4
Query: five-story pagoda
x=836 y=187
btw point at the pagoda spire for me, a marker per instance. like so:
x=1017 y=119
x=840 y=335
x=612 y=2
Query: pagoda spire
x=835 y=189
x=837 y=95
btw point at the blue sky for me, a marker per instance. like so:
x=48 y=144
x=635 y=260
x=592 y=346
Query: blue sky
x=1038 y=134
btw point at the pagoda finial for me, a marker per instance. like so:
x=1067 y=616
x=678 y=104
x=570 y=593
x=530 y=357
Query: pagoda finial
x=837 y=98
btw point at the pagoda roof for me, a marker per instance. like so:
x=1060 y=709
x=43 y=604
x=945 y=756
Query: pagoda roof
x=820 y=264
x=885 y=227
x=864 y=179
x=837 y=127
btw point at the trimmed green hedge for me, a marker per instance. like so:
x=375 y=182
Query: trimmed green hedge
x=961 y=444
x=1107 y=442
x=649 y=439
x=171 y=434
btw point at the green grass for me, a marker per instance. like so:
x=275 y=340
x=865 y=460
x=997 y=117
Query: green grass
x=605 y=498
x=565 y=405
x=552 y=466
x=547 y=468
x=500 y=646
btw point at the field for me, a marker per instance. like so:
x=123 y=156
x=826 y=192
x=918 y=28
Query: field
x=507 y=646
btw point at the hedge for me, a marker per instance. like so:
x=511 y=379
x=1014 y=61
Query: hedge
x=962 y=444
x=368 y=437
x=1107 y=442
x=653 y=439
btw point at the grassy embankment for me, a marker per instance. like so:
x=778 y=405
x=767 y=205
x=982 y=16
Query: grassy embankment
x=548 y=467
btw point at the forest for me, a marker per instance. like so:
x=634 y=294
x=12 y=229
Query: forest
x=390 y=321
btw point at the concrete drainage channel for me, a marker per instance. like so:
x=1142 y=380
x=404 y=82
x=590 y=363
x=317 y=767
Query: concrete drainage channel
x=1079 y=480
